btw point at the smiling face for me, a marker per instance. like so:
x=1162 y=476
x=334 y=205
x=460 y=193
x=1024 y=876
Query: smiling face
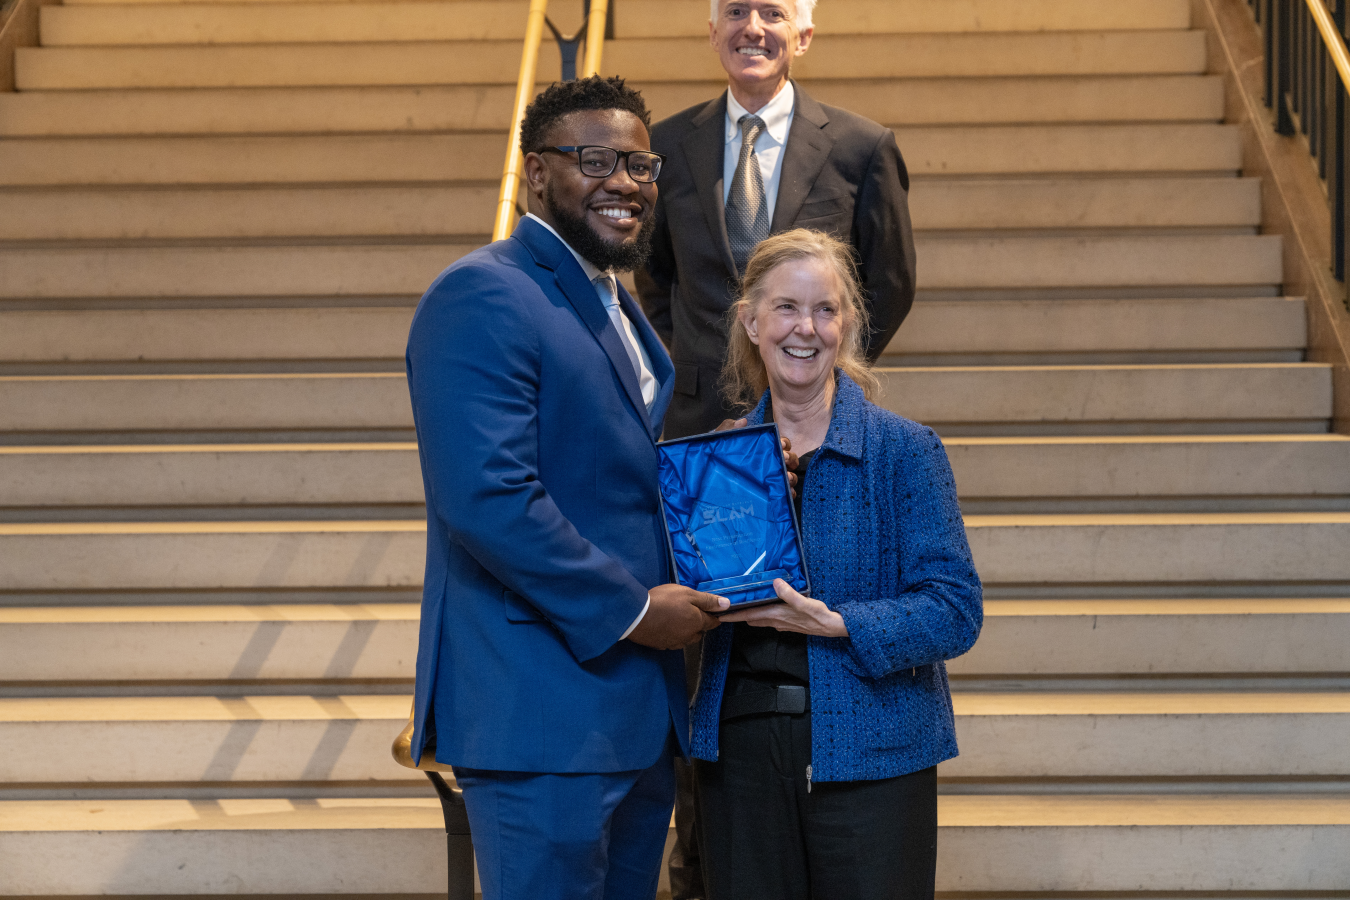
x=609 y=220
x=756 y=41
x=797 y=321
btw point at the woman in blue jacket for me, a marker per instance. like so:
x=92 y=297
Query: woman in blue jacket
x=819 y=722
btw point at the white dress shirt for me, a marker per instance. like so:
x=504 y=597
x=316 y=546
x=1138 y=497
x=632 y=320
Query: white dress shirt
x=610 y=298
x=769 y=146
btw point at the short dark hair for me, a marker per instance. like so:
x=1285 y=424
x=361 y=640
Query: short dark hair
x=563 y=98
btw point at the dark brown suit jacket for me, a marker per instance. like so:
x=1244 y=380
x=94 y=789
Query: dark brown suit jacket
x=842 y=174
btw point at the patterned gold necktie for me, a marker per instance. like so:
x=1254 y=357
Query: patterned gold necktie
x=747 y=207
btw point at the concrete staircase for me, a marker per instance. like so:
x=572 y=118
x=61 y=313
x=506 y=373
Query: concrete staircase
x=217 y=219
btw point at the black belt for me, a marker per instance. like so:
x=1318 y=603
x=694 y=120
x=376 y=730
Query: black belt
x=789 y=699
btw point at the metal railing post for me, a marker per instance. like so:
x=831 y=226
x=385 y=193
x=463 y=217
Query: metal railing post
x=1340 y=174
x=458 y=839
x=1268 y=42
x=1282 y=24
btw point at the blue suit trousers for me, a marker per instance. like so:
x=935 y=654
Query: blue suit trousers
x=570 y=836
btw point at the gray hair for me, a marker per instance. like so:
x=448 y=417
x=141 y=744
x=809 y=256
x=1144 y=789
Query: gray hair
x=804 y=10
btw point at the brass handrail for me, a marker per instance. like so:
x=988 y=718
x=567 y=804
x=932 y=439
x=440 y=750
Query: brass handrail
x=595 y=37
x=402 y=751
x=529 y=64
x=1335 y=43
x=19 y=22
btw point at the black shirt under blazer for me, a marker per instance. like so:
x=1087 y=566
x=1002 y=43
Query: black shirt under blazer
x=841 y=174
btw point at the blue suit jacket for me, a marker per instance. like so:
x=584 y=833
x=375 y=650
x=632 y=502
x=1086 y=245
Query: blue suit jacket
x=543 y=523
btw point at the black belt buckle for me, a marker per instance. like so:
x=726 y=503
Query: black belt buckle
x=791 y=699
x=786 y=699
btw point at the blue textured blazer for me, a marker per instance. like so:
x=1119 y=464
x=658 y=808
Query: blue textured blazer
x=887 y=550
x=543 y=523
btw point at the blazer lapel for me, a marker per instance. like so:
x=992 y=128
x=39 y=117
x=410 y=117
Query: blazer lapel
x=808 y=147
x=662 y=368
x=703 y=148
x=549 y=252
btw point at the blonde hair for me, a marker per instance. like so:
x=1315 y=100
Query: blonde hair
x=804 y=10
x=744 y=378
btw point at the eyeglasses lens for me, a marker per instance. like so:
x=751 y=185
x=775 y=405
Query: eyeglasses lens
x=600 y=162
x=644 y=166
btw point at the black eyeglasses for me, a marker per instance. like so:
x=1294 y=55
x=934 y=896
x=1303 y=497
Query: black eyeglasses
x=600 y=162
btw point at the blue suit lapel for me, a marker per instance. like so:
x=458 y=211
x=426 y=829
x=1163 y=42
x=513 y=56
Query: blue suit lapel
x=549 y=252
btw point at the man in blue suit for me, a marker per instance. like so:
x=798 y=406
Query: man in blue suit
x=548 y=669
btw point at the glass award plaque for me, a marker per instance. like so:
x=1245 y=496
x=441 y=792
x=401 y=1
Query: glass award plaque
x=729 y=517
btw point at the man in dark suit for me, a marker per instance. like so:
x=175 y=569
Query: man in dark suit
x=761 y=158
x=548 y=668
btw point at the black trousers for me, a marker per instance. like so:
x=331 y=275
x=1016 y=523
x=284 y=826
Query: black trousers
x=764 y=835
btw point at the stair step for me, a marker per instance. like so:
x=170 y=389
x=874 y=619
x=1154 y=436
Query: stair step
x=1216 y=549
x=279 y=333
x=1151 y=466
x=374 y=400
x=1147 y=468
x=1215 y=263
x=1086 y=203
x=1268 y=329
x=932 y=55
x=1066 y=550
x=424 y=210
x=368 y=270
x=203 y=555
x=993 y=101
x=306 y=642
x=346 y=738
x=957 y=150
x=1142 y=842
x=1157 y=637
x=252 y=213
x=660 y=18
x=311 y=642
x=298 y=159
x=286 y=66
x=1023 y=735
x=265 y=21
x=895 y=102
x=207 y=475
x=254 y=112
x=656 y=18
x=1004 y=263
x=426 y=60
x=1260 y=394
x=1270 y=842
x=212 y=739
x=947 y=151
x=378 y=846
x=1031 y=332
x=1058 y=395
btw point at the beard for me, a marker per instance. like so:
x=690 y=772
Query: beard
x=605 y=255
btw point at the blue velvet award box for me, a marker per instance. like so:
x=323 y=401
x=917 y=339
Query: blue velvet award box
x=729 y=517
